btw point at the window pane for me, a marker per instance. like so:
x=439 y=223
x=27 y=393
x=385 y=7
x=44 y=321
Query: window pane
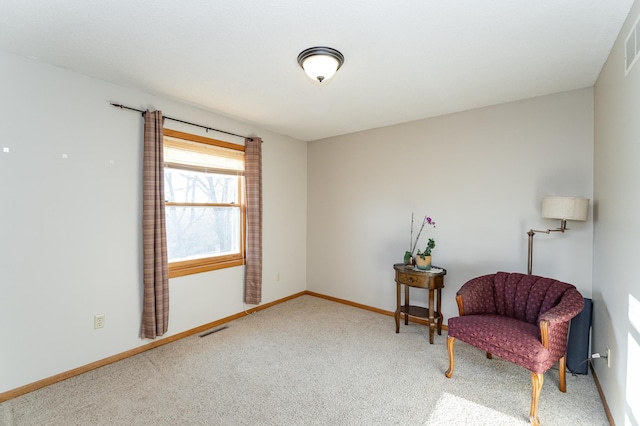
x=184 y=186
x=196 y=232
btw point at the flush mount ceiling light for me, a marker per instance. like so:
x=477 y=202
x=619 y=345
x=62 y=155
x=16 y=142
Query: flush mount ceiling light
x=320 y=62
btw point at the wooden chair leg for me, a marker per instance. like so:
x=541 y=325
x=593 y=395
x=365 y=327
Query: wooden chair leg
x=450 y=342
x=536 y=386
x=489 y=356
x=563 y=374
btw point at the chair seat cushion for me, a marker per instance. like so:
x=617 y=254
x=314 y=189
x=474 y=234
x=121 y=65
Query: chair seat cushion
x=510 y=339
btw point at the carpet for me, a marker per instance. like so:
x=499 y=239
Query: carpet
x=308 y=361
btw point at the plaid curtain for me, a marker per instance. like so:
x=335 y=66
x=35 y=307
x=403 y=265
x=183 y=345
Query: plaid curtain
x=155 y=304
x=253 y=183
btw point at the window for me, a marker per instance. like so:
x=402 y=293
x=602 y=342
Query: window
x=204 y=203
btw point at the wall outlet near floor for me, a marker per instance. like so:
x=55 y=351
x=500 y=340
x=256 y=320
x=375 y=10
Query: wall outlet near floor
x=608 y=357
x=278 y=276
x=98 y=321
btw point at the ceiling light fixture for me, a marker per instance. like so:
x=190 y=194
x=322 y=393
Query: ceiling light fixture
x=320 y=62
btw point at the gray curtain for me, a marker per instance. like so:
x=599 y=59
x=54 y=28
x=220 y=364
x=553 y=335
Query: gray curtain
x=155 y=306
x=253 y=183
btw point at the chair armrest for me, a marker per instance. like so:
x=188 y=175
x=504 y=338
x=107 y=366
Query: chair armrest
x=570 y=305
x=554 y=324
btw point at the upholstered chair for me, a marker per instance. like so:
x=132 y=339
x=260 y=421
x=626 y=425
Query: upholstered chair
x=523 y=319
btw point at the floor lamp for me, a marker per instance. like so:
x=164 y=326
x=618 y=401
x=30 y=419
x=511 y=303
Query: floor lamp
x=563 y=208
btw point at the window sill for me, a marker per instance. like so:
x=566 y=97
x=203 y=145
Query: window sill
x=181 y=270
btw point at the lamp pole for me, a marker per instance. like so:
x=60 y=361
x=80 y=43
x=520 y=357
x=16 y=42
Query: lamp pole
x=532 y=232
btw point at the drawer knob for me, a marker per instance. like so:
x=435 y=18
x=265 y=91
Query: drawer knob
x=410 y=279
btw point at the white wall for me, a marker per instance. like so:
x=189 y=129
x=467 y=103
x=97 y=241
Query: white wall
x=616 y=278
x=70 y=228
x=480 y=174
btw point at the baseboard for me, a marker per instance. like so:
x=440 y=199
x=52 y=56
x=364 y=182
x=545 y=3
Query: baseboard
x=118 y=357
x=604 y=400
x=4 y=396
x=370 y=308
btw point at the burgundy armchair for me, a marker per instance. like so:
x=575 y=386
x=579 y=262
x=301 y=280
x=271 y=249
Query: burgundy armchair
x=523 y=319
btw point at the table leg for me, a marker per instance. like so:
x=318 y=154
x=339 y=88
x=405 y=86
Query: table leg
x=397 y=314
x=439 y=310
x=431 y=316
x=406 y=305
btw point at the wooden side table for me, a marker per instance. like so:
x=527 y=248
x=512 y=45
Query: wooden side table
x=433 y=280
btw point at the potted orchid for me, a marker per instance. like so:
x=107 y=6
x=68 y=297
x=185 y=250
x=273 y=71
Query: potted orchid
x=422 y=259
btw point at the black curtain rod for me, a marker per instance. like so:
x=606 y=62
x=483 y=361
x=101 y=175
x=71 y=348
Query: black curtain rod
x=207 y=128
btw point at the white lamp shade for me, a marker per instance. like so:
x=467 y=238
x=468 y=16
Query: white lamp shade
x=565 y=208
x=320 y=67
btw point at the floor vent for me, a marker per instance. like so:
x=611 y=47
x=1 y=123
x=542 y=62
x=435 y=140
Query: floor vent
x=632 y=47
x=215 y=330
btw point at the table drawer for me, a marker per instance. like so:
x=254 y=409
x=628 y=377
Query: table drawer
x=412 y=279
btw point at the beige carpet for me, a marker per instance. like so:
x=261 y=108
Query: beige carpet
x=308 y=361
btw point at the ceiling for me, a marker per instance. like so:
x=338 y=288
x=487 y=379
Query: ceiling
x=404 y=59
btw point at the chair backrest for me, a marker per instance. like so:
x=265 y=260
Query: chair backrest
x=520 y=296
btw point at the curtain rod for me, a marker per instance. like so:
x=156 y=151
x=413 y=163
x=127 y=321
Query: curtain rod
x=207 y=128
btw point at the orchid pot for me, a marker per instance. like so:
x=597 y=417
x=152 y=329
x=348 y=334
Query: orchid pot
x=423 y=263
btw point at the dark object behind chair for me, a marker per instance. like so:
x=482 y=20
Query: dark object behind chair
x=578 y=346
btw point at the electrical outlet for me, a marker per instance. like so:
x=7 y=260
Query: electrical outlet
x=98 y=321
x=608 y=357
x=278 y=276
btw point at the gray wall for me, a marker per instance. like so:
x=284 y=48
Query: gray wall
x=480 y=174
x=70 y=228
x=616 y=278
